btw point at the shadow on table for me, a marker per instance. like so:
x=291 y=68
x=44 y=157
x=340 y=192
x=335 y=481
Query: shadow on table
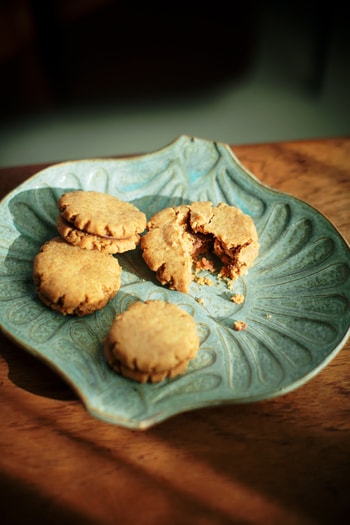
x=22 y=503
x=31 y=374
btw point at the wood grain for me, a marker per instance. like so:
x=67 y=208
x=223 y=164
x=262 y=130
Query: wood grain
x=282 y=461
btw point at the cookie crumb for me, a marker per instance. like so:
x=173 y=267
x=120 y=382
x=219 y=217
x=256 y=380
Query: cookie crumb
x=230 y=284
x=237 y=298
x=268 y=316
x=203 y=281
x=200 y=300
x=239 y=326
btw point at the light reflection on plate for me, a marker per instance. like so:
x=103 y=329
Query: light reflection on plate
x=296 y=295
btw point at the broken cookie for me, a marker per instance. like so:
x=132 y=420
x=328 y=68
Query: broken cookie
x=177 y=238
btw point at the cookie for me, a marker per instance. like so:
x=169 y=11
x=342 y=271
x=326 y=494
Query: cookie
x=151 y=341
x=72 y=280
x=177 y=239
x=99 y=221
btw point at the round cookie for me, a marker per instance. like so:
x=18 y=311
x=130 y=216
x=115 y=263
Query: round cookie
x=71 y=280
x=99 y=221
x=177 y=236
x=151 y=341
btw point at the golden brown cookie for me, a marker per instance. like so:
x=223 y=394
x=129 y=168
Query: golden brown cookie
x=99 y=221
x=178 y=237
x=151 y=341
x=71 y=280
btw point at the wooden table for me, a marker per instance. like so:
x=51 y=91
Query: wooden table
x=283 y=461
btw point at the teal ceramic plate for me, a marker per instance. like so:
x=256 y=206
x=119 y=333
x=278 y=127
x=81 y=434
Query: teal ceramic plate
x=296 y=296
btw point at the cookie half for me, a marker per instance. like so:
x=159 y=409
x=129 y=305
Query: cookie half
x=99 y=221
x=74 y=281
x=178 y=237
x=151 y=341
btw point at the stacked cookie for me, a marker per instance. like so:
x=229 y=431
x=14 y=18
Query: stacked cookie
x=76 y=273
x=98 y=221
